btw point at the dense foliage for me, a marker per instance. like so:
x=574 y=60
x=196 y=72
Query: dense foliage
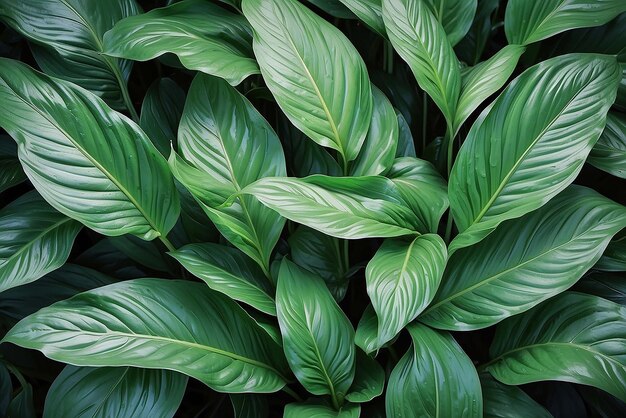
x=324 y=208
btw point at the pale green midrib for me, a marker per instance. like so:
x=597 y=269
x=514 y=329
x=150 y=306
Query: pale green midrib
x=108 y=395
x=331 y=386
x=541 y=23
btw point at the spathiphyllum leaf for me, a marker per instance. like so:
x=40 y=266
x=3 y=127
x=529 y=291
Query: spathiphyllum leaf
x=248 y=405
x=609 y=153
x=435 y=378
x=34 y=240
x=158 y=323
x=529 y=21
x=402 y=279
x=504 y=401
x=334 y=8
x=67 y=37
x=330 y=100
x=204 y=37
x=528 y=146
x=614 y=257
x=498 y=277
x=421 y=41
x=610 y=286
x=366 y=335
x=11 y=172
x=369 y=379
x=370 y=12
x=573 y=338
x=321 y=355
x=88 y=161
x=86 y=392
x=319 y=409
x=456 y=16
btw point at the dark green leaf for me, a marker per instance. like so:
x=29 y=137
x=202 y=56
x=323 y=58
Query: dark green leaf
x=471 y=48
x=369 y=379
x=107 y=259
x=160 y=113
x=609 y=153
x=333 y=8
x=503 y=401
x=250 y=406
x=11 y=172
x=370 y=12
x=456 y=16
x=606 y=285
x=316 y=409
x=6 y=389
x=406 y=144
x=22 y=405
x=614 y=257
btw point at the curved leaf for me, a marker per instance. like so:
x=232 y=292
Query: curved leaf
x=316 y=409
x=330 y=100
x=471 y=48
x=500 y=172
x=11 y=173
x=369 y=379
x=85 y=392
x=250 y=406
x=614 y=258
x=366 y=336
x=499 y=277
x=573 y=338
x=402 y=279
x=434 y=378
x=503 y=401
x=333 y=8
x=321 y=356
x=606 y=285
x=370 y=12
x=161 y=324
x=6 y=389
x=609 y=153
x=22 y=405
x=87 y=161
x=456 y=16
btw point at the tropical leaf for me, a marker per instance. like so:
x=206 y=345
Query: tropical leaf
x=503 y=401
x=366 y=336
x=22 y=405
x=471 y=48
x=333 y=8
x=370 y=12
x=456 y=16
x=316 y=409
x=11 y=173
x=247 y=405
x=609 y=153
x=614 y=257
x=609 y=286
x=369 y=379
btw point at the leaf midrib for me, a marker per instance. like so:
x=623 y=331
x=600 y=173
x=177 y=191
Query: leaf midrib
x=110 y=392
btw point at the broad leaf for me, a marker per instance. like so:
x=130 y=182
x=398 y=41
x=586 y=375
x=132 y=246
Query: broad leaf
x=204 y=37
x=229 y=271
x=317 y=409
x=88 y=161
x=68 y=41
x=34 y=239
x=528 y=21
x=402 y=279
x=160 y=113
x=366 y=336
x=330 y=100
x=500 y=172
x=573 y=338
x=369 y=379
x=158 y=323
x=609 y=153
x=321 y=356
x=498 y=277
x=614 y=258
x=503 y=401
x=609 y=286
x=85 y=392
x=11 y=172
x=370 y=12
x=421 y=41
x=146 y=253
x=456 y=16
x=434 y=378
x=601 y=403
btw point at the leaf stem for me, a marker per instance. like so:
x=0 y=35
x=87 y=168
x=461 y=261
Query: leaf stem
x=123 y=88
x=449 y=141
x=167 y=243
x=292 y=393
x=448 y=228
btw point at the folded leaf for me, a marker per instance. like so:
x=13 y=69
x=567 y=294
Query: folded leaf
x=456 y=16
x=160 y=113
x=369 y=379
x=503 y=401
x=609 y=153
x=528 y=146
x=573 y=338
x=158 y=323
x=11 y=173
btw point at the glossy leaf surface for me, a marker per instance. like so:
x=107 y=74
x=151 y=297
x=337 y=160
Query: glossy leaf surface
x=609 y=153
x=11 y=172
x=369 y=379
x=456 y=16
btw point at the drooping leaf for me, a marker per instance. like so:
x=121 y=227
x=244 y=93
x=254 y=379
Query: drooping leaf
x=614 y=257
x=369 y=379
x=86 y=392
x=370 y=12
x=330 y=100
x=421 y=41
x=609 y=153
x=456 y=16
x=435 y=378
x=609 y=286
x=317 y=409
x=527 y=147
x=321 y=356
x=229 y=271
x=11 y=173
x=67 y=36
x=573 y=337
x=525 y=261
x=402 y=279
x=528 y=21
x=203 y=36
x=158 y=323
x=248 y=405
x=88 y=161
x=503 y=401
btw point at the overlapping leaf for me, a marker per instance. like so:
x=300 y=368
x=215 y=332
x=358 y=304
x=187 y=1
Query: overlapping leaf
x=11 y=172
x=456 y=16
x=609 y=153
x=610 y=286
x=370 y=12
x=504 y=401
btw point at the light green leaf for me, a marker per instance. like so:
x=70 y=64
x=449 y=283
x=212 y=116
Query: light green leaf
x=85 y=392
x=88 y=161
x=229 y=271
x=204 y=37
x=370 y=12
x=528 y=146
x=609 y=153
x=421 y=41
x=161 y=324
x=369 y=379
x=321 y=356
x=573 y=338
x=614 y=257
x=503 y=401
x=456 y=16
x=528 y=21
x=330 y=100
x=435 y=378
x=402 y=279
x=496 y=278
x=11 y=173
x=160 y=113
x=317 y=409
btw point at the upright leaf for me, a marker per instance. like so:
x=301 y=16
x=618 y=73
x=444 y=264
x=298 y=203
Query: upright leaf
x=11 y=172
x=504 y=401
x=609 y=153
x=456 y=16
x=330 y=100
x=528 y=146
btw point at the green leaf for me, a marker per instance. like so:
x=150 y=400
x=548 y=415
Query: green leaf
x=107 y=259
x=229 y=271
x=158 y=323
x=250 y=406
x=609 y=153
x=606 y=285
x=406 y=143
x=500 y=171
x=333 y=8
x=321 y=356
x=381 y=142
x=160 y=113
x=316 y=409
x=67 y=37
x=34 y=239
x=22 y=405
x=601 y=403
x=366 y=336
x=528 y=21
x=435 y=378
x=329 y=100
x=343 y=207
x=369 y=379
x=421 y=41
x=503 y=401
x=471 y=48
x=402 y=279
x=456 y=16
x=369 y=12
x=204 y=37
x=483 y=80
x=614 y=258
x=498 y=277
x=85 y=392
x=11 y=173
x=573 y=338
x=88 y=161
x=6 y=389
